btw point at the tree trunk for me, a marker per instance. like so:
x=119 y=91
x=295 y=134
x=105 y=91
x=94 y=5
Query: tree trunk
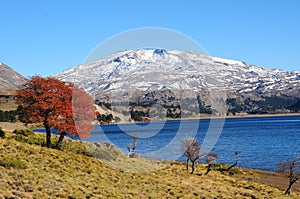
x=60 y=139
x=289 y=189
x=48 y=136
x=193 y=166
x=187 y=164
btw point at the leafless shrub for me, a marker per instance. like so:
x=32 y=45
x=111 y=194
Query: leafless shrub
x=236 y=161
x=192 y=150
x=132 y=146
x=210 y=160
x=291 y=168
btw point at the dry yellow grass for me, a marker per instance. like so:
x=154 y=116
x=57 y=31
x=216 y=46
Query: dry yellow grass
x=32 y=171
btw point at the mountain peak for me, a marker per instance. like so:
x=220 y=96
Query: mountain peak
x=160 y=52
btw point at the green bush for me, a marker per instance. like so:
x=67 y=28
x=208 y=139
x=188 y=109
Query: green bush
x=19 y=138
x=223 y=168
x=2 y=133
x=117 y=119
x=27 y=136
x=10 y=162
x=76 y=147
x=100 y=151
x=35 y=139
x=25 y=132
x=103 y=151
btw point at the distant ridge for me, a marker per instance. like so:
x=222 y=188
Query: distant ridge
x=10 y=79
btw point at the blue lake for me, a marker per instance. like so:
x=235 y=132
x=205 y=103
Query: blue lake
x=262 y=141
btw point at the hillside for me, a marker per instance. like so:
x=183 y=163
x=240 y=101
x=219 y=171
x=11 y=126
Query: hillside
x=32 y=171
x=159 y=83
x=10 y=79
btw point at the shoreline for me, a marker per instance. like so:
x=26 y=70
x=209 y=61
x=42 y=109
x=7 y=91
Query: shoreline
x=250 y=174
x=213 y=117
x=256 y=115
x=17 y=125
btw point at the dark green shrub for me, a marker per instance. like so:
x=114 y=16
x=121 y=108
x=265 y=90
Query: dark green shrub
x=117 y=119
x=2 y=133
x=8 y=116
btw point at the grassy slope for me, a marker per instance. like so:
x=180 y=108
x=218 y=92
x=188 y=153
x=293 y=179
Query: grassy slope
x=32 y=171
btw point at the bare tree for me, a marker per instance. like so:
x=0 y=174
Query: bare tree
x=236 y=160
x=210 y=160
x=131 y=146
x=292 y=170
x=192 y=150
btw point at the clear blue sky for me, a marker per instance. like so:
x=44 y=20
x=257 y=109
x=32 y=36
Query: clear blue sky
x=47 y=37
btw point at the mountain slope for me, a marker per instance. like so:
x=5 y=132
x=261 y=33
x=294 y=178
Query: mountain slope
x=10 y=79
x=143 y=78
x=145 y=69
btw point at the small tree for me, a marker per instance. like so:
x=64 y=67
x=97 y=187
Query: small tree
x=236 y=160
x=192 y=150
x=210 y=160
x=291 y=168
x=131 y=146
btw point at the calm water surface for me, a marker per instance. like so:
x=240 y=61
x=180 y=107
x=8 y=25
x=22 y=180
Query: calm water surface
x=262 y=141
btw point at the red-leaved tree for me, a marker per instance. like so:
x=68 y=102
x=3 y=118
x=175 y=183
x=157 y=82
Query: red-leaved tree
x=78 y=121
x=58 y=105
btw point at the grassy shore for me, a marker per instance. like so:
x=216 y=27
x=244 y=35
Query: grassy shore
x=206 y=116
x=28 y=170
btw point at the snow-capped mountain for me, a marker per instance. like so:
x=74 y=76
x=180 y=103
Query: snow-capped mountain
x=159 y=69
x=10 y=79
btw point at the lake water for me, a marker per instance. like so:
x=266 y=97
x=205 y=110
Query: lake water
x=262 y=141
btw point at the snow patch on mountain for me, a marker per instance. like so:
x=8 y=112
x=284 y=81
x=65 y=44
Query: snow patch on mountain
x=158 y=68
